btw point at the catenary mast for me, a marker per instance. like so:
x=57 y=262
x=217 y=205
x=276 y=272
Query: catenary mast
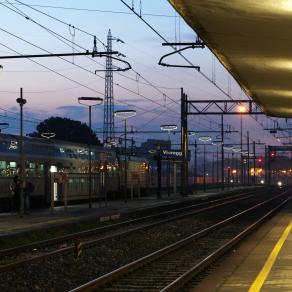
x=108 y=116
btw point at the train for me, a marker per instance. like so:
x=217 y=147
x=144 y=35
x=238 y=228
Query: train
x=53 y=165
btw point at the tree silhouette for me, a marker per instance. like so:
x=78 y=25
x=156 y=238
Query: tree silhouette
x=67 y=130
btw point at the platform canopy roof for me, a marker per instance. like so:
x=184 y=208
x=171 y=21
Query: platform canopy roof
x=253 y=40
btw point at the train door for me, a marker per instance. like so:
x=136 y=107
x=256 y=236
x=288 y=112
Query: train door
x=55 y=190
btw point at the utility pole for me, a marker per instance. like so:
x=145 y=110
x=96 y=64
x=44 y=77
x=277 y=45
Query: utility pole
x=254 y=163
x=158 y=172
x=222 y=152
x=132 y=146
x=213 y=168
x=184 y=144
x=204 y=169
x=269 y=167
x=195 y=166
x=21 y=102
x=217 y=165
x=241 y=158
x=248 y=164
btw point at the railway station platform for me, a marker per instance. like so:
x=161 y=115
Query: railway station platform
x=11 y=224
x=263 y=262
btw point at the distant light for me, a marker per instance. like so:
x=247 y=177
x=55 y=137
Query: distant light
x=262 y=181
x=280 y=183
x=231 y=180
x=241 y=109
x=217 y=143
x=168 y=127
x=13 y=145
x=228 y=147
x=152 y=151
x=53 y=168
x=236 y=150
x=48 y=135
x=205 y=138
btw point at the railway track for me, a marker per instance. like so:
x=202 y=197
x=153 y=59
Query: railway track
x=61 y=271
x=98 y=230
x=173 y=266
x=21 y=255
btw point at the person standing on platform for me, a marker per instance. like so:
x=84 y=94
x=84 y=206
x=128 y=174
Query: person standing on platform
x=28 y=189
x=15 y=191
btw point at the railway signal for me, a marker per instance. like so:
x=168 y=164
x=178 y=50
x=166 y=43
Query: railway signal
x=260 y=160
x=273 y=155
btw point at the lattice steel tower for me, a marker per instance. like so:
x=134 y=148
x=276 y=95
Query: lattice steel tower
x=108 y=114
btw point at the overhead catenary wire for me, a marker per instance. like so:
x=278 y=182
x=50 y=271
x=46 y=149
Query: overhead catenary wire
x=147 y=81
x=99 y=92
x=92 y=10
x=123 y=87
x=119 y=84
x=75 y=27
x=190 y=63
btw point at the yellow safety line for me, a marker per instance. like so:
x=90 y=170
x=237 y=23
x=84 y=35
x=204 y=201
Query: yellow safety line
x=263 y=274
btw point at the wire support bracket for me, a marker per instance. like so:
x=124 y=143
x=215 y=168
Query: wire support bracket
x=227 y=107
x=128 y=65
x=87 y=53
x=197 y=45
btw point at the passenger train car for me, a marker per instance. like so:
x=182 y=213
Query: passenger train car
x=45 y=159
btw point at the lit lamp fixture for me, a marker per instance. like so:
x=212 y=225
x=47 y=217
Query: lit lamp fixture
x=168 y=128
x=152 y=151
x=236 y=150
x=89 y=102
x=48 y=135
x=216 y=143
x=125 y=114
x=205 y=139
x=191 y=133
x=228 y=147
x=241 y=109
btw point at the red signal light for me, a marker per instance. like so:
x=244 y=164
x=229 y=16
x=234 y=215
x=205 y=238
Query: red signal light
x=260 y=160
x=273 y=154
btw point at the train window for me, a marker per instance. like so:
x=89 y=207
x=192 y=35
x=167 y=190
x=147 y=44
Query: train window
x=12 y=164
x=3 y=168
x=2 y=164
x=32 y=165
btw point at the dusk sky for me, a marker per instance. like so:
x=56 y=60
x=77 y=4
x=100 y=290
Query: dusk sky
x=50 y=94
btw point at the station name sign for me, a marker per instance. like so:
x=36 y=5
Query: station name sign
x=171 y=155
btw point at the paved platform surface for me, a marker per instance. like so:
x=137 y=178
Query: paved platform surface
x=40 y=219
x=263 y=262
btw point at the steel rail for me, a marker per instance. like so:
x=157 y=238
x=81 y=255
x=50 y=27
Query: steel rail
x=106 y=279
x=86 y=244
x=195 y=270
x=93 y=231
